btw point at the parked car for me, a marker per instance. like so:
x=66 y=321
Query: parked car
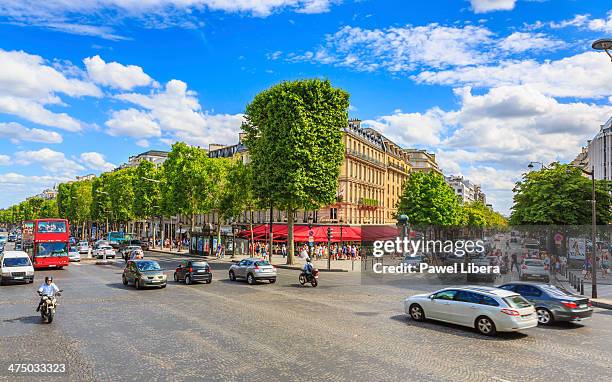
x=73 y=254
x=553 y=303
x=534 y=269
x=488 y=310
x=191 y=271
x=104 y=249
x=144 y=273
x=83 y=247
x=253 y=270
x=481 y=261
x=16 y=266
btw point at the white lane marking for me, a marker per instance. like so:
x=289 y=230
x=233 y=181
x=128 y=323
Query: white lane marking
x=500 y=379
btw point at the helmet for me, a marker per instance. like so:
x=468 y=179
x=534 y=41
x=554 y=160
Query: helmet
x=48 y=278
x=308 y=259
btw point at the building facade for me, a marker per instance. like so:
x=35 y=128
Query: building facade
x=421 y=160
x=158 y=157
x=465 y=190
x=599 y=152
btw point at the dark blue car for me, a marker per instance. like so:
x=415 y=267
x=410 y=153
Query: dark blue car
x=552 y=303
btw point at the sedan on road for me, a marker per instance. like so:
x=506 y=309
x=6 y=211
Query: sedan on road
x=534 y=269
x=73 y=254
x=83 y=247
x=253 y=270
x=191 y=271
x=104 y=249
x=143 y=273
x=553 y=303
x=487 y=309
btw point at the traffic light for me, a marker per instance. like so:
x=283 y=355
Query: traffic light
x=329 y=233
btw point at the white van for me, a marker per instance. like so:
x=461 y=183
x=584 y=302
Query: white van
x=16 y=266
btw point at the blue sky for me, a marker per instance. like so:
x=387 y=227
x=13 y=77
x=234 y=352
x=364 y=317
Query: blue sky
x=488 y=85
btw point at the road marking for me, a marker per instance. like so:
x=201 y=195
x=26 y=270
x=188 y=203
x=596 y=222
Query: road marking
x=500 y=379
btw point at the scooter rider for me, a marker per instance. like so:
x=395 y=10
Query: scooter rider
x=48 y=288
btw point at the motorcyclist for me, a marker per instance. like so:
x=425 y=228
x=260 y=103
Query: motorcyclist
x=307 y=268
x=48 y=288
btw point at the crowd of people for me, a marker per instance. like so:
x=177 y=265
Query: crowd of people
x=317 y=251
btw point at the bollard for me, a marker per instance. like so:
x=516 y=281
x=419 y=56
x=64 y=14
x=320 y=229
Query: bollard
x=582 y=287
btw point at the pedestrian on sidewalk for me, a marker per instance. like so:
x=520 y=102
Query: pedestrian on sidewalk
x=605 y=265
x=284 y=250
x=514 y=263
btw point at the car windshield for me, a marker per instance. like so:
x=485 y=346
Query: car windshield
x=416 y=257
x=261 y=263
x=148 y=266
x=106 y=247
x=199 y=264
x=516 y=302
x=51 y=249
x=534 y=263
x=16 y=262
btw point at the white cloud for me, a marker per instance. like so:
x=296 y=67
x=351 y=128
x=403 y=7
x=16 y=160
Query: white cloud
x=28 y=84
x=519 y=42
x=5 y=160
x=116 y=75
x=133 y=123
x=177 y=112
x=484 y=6
x=96 y=161
x=412 y=129
x=14 y=186
x=602 y=25
x=98 y=17
x=576 y=21
x=17 y=133
x=584 y=75
x=143 y=143
x=50 y=160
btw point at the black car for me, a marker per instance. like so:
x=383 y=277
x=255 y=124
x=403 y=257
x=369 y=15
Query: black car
x=192 y=271
x=552 y=303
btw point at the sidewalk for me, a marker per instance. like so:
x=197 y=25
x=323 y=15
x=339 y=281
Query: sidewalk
x=604 y=288
x=280 y=262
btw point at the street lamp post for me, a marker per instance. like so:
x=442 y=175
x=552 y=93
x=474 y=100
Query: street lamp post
x=593 y=229
x=604 y=44
x=329 y=237
x=310 y=243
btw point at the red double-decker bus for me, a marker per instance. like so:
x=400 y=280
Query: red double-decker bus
x=47 y=241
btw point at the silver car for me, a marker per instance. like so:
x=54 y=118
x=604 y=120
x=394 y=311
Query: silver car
x=534 y=269
x=253 y=270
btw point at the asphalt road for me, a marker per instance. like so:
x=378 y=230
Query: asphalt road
x=343 y=330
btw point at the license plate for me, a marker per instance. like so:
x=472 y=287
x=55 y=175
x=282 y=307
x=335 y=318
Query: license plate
x=51 y=266
x=201 y=270
x=155 y=281
x=18 y=278
x=582 y=306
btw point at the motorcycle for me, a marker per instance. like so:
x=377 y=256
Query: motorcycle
x=48 y=307
x=310 y=277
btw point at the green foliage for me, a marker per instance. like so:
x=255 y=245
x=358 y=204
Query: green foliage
x=294 y=136
x=428 y=201
x=479 y=215
x=147 y=194
x=559 y=195
x=118 y=185
x=192 y=181
x=238 y=195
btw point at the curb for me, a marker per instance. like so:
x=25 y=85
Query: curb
x=602 y=305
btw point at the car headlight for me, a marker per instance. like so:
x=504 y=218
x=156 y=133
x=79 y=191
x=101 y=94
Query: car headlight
x=30 y=273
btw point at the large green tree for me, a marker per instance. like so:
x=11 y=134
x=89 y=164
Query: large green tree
x=559 y=195
x=192 y=182
x=118 y=186
x=294 y=136
x=428 y=200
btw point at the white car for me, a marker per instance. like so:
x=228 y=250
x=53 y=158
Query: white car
x=83 y=247
x=414 y=261
x=16 y=266
x=104 y=249
x=534 y=269
x=487 y=309
x=74 y=255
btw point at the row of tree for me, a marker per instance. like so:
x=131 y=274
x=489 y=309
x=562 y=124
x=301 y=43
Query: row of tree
x=293 y=133
x=427 y=200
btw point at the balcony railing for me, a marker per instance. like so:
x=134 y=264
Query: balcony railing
x=364 y=157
